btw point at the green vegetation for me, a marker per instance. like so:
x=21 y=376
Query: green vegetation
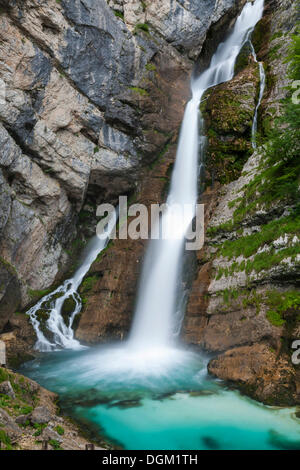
x=249 y=245
x=119 y=14
x=88 y=283
x=39 y=428
x=151 y=67
x=141 y=27
x=60 y=430
x=278 y=180
x=38 y=294
x=275 y=318
x=4 y=439
x=138 y=90
x=280 y=303
x=55 y=444
x=281 y=307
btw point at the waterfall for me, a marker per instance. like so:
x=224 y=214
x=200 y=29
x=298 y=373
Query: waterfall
x=262 y=78
x=155 y=317
x=51 y=304
x=153 y=324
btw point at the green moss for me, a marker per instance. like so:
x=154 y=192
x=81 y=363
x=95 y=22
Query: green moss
x=68 y=306
x=242 y=60
x=249 y=245
x=138 y=90
x=141 y=27
x=38 y=294
x=151 y=67
x=9 y=267
x=39 y=428
x=161 y=155
x=96 y=149
x=88 y=284
x=4 y=439
x=55 y=444
x=260 y=33
x=119 y=14
x=60 y=430
x=3 y=375
x=275 y=318
x=280 y=303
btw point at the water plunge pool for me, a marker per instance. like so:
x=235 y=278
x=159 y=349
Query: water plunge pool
x=160 y=400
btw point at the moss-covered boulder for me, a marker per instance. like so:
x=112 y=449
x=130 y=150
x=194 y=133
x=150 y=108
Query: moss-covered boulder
x=67 y=309
x=228 y=111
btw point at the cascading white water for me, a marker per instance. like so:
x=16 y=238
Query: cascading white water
x=154 y=316
x=63 y=335
x=262 y=78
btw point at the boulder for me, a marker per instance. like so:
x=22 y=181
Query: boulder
x=49 y=434
x=11 y=428
x=40 y=415
x=6 y=389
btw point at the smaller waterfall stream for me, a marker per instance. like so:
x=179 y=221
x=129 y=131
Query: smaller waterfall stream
x=262 y=77
x=51 y=304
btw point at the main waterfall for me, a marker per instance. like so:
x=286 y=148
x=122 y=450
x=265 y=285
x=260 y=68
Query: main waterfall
x=154 y=322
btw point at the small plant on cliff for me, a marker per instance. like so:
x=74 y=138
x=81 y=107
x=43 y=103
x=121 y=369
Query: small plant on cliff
x=280 y=303
x=119 y=14
x=60 y=430
x=141 y=27
x=138 y=90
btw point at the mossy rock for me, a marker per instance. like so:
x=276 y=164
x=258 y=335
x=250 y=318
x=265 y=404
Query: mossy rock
x=76 y=321
x=67 y=309
x=42 y=315
x=260 y=34
x=242 y=60
x=88 y=284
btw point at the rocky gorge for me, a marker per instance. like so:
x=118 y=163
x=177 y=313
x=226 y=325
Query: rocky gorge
x=94 y=96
